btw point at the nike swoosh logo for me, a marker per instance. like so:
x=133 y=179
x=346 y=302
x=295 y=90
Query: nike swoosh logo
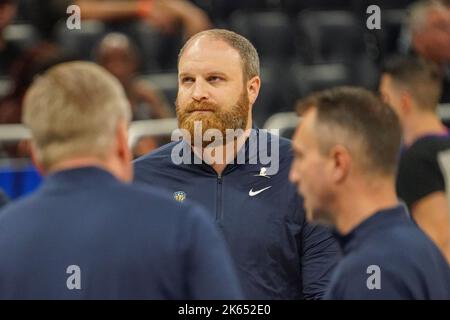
x=252 y=193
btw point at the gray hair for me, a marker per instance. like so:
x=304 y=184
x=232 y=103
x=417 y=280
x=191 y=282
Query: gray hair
x=72 y=110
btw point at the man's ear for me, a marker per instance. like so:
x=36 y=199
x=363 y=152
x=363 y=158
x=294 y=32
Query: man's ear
x=341 y=163
x=407 y=102
x=123 y=151
x=35 y=159
x=253 y=86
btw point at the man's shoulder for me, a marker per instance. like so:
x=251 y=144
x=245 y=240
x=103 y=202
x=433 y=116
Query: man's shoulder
x=153 y=198
x=155 y=205
x=428 y=146
x=399 y=268
x=147 y=201
x=412 y=248
x=25 y=203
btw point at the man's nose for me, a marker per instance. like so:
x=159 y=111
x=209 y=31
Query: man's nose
x=293 y=175
x=200 y=91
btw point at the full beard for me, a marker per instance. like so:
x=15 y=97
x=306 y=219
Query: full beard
x=220 y=118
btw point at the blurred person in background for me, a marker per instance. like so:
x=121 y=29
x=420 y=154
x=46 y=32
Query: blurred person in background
x=87 y=232
x=165 y=15
x=429 y=29
x=32 y=62
x=412 y=87
x=29 y=64
x=8 y=51
x=346 y=154
x=119 y=55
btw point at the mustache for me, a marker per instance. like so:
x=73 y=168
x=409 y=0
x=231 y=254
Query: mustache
x=201 y=106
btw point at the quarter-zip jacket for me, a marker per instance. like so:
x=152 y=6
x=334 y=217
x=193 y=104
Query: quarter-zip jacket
x=278 y=255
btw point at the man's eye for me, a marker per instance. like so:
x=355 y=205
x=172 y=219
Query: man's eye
x=214 y=79
x=187 y=80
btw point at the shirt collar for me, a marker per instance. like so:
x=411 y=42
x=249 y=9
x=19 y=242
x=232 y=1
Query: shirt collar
x=376 y=222
x=81 y=177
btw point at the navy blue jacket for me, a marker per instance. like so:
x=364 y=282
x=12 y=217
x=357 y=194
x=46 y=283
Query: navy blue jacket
x=278 y=255
x=389 y=254
x=128 y=243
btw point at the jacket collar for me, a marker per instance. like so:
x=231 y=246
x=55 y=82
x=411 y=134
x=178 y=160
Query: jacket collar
x=81 y=177
x=375 y=223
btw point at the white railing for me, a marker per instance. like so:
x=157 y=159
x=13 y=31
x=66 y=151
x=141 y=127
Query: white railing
x=13 y=132
x=282 y=120
x=142 y=128
x=139 y=129
x=289 y=120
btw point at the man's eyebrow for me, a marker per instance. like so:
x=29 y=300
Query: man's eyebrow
x=184 y=74
x=211 y=73
x=217 y=73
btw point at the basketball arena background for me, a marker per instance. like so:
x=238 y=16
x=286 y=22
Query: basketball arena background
x=304 y=45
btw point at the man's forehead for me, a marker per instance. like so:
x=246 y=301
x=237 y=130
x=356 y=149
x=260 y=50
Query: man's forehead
x=305 y=127
x=206 y=49
x=308 y=117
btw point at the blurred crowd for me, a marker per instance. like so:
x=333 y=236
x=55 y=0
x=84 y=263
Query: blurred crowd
x=304 y=46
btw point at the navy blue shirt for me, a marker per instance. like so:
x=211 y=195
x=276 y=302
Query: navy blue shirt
x=424 y=168
x=388 y=257
x=85 y=235
x=277 y=253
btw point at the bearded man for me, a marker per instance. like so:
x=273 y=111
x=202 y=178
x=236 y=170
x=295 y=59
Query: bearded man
x=240 y=173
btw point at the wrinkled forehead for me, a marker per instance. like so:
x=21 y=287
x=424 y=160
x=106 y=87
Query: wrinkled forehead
x=207 y=54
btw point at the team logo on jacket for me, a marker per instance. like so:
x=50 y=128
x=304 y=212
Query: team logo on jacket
x=179 y=196
x=263 y=173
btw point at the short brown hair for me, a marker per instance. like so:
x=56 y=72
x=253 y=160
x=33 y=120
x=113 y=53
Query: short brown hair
x=249 y=55
x=366 y=122
x=307 y=102
x=421 y=77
